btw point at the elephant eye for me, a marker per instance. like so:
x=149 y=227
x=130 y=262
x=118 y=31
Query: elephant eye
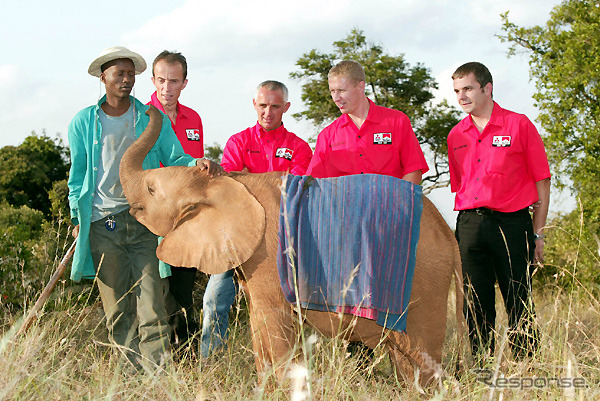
x=151 y=190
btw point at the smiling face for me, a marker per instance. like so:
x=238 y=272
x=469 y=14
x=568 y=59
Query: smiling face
x=474 y=99
x=347 y=93
x=119 y=78
x=169 y=82
x=270 y=106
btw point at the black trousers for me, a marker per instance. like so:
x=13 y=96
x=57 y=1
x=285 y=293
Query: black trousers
x=497 y=247
x=180 y=303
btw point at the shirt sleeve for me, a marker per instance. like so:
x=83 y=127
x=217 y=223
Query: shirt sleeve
x=318 y=164
x=454 y=171
x=411 y=154
x=301 y=160
x=78 y=169
x=537 y=160
x=232 y=159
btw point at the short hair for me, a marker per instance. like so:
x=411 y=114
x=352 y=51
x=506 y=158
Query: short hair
x=171 y=58
x=273 y=86
x=480 y=71
x=350 y=69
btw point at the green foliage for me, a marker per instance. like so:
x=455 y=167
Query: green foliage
x=30 y=246
x=214 y=152
x=565 y=66
x=20 y=229
x=571 y=254
x=28 y=171
x=390 y=81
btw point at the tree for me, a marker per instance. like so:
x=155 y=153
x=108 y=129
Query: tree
x=564 y=59
x=391 y=82
x=214 y=152
x=28 y=171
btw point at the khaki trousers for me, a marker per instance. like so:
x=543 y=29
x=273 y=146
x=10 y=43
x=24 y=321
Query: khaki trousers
x=131 y=289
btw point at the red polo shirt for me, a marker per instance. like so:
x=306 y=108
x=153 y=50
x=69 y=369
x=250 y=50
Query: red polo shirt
x=497 y=168
x=262 y=151
x=385 y=144
x=188 y=128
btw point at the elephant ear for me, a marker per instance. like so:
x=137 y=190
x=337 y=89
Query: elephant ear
x=219 y=232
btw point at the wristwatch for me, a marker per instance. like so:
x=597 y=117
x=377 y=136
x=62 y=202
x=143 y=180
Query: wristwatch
x=538 y=236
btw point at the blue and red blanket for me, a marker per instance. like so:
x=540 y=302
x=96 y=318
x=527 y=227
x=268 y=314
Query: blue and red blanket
x=348 y=244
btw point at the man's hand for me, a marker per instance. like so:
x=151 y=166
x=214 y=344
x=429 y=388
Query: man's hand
x=212 y=167
x=534 y=206
x=538 y=253
x=75 y=232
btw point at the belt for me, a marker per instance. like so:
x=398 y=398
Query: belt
x=484 y=211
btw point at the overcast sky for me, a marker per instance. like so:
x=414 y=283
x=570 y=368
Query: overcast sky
x=231 y=46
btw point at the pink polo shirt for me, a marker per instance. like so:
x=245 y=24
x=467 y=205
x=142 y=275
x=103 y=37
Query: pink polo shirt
x=188 y=128
x=497 y=168
x=262 y=151
x=385 y=144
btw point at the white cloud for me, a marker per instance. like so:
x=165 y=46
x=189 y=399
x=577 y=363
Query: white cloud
x=8 y=75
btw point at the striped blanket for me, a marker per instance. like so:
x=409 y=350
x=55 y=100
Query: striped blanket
x=348 y=244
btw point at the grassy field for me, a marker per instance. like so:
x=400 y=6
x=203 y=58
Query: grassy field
x=66 y=356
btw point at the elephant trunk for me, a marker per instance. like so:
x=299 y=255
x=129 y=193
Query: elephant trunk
x=131 y=171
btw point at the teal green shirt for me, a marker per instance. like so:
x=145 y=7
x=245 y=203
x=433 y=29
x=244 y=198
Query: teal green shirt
x=85 y=133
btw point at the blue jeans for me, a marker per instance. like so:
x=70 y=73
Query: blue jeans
x=216 y=303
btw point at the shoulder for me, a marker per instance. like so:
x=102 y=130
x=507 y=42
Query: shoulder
x=508 y=114
x=240 y=137
x=85 y=112
x=335 y=125
x=387 y=112
x=461 y=126
x=296 y=140
x=188 y=112
x=83 y=116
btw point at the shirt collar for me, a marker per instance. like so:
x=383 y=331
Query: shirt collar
x=497 y=118
x=156 y=103
x=137 y=105
x=273 y=133
x=373 y=115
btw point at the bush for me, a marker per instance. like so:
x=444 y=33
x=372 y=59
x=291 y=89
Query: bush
x=20 y=228
x=30 y=247
x=571 y=253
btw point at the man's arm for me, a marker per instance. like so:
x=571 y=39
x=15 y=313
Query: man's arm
x=77 y=171
x=319 y=163
x=540 y=213
x=414 y=177
x=232 y=159
x=301 y=159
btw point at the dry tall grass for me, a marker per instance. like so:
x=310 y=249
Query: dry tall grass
x=65 y=356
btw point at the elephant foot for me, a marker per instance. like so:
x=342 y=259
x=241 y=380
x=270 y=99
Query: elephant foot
x=413 y=366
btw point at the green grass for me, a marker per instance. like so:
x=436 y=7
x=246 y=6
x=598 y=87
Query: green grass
x=66 y=356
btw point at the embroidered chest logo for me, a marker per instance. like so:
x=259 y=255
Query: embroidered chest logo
x=382 y=138
x=501 y=141
x=193 y=134
x=285 y=153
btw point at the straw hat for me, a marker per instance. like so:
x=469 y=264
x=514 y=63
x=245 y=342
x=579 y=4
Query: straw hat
x=114 y=53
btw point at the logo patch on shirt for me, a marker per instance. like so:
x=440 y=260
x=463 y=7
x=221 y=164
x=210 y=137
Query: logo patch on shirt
x=382 y=138
x=285 y=153
x=501 y=141
x=193 y=134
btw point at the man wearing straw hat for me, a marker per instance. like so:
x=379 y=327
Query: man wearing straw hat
x=111 y=244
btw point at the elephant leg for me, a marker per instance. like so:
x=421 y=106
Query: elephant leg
x=273 y=337
x=411 y=363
